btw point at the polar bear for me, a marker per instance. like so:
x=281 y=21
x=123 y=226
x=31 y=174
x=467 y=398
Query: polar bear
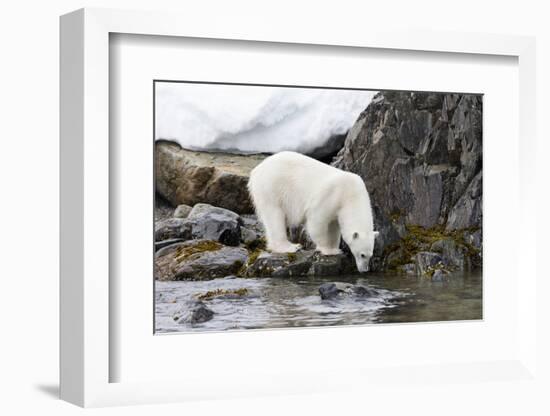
x=289 y=189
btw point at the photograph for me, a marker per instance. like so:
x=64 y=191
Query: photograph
x=283 y=206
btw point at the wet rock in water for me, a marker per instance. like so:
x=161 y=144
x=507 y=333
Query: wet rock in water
x=439 y=276
x=224 y=294
x=454 y=255
x=268 y=264
x=198 y=260
x=189 y=177
x=337 y=289
x=171 y=228
x=409 y=268
x=213 y=223
x=166 y=243
x=194 y=313
x=426 y=262
x=182 y=211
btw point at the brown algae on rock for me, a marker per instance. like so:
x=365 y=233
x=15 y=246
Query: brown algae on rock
x=211 y=294
x=185 y=252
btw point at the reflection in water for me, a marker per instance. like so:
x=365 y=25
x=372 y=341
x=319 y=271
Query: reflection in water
x=280 y=303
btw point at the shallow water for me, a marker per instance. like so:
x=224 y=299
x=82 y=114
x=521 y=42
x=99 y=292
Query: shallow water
x=280 y=303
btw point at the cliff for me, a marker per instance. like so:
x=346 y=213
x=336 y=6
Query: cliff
x=420 y=156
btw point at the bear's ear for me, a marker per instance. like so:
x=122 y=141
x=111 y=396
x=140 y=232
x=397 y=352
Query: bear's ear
x=376 y=234
x=355 y=235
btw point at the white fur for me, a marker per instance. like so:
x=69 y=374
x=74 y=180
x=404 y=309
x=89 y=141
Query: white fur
x=289 y=189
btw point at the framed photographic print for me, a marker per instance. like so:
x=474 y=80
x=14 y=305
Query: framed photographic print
x=228 y=198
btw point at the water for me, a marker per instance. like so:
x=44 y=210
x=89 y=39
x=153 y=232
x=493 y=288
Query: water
x=281 y=303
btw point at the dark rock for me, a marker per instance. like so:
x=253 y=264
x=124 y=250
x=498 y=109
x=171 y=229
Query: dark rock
x=332 y=265
x=190 y=177
x=194 y=313
x=427 y=188
x=198 y=260
x=328 y=150
x=467 y=212
x=280 y=264
x=329 y=291
x=335 y=290
x=171 y=228
x=182 y=211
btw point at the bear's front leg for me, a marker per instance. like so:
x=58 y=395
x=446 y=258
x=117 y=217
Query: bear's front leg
x=274 y=222
x=325 y=235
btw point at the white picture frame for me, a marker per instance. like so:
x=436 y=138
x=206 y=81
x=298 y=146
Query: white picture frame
x=85 y=218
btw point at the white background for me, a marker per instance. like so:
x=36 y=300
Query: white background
x=29 y=164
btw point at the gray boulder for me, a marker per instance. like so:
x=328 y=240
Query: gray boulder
x=182 y=211
x=198 y=260
x=171 y=228
x=189 y=177
x=213 y=223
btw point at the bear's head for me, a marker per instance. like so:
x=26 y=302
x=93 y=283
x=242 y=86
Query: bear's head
x=361 y=245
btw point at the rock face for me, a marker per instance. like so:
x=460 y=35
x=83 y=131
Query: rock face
x=198 y=260
x=188 y=177
x=420 y=155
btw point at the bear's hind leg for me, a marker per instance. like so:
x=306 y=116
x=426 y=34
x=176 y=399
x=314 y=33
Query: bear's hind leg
x=274 y=222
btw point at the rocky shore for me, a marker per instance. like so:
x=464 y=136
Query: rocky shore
x=420 y=157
